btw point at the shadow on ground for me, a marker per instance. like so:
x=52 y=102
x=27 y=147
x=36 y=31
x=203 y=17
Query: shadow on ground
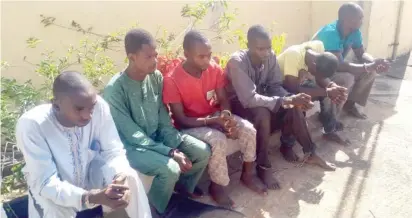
x=334 y=194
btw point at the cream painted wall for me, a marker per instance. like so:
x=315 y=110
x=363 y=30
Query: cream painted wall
x=382 y=27
x=323 y=12
x=405 y=33
x=20 y=20
x=298 y=19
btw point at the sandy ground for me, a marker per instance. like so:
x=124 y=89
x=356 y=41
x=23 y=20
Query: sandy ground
x=373 y=177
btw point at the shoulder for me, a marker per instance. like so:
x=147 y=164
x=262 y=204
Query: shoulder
x=115 y=80
x=114 y=84
x=238 y=58
x=240 y=55
x=101 y=107
x=291 y=51
x=176 y=72
x=156 y=76
x=34 y=118
x=328 y=32
x=316 y=45
x=214 y=68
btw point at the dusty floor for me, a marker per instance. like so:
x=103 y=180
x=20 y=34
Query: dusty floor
x=373 y=176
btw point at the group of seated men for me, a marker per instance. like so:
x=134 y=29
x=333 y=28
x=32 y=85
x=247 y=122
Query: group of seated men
x=83 y=150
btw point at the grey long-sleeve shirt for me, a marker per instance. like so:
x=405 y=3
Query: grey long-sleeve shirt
x=255 y=87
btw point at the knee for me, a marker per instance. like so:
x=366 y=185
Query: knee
x=346 y=80
x=296 y=113
x=261 y=116
x=170 y=172
x=202 y=152
x=218 y=142
x=247 y=130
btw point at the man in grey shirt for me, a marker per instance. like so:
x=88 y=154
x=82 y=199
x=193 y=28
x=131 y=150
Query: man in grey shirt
x=256 y=93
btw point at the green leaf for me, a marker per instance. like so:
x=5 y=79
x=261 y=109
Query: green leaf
x=32 y=42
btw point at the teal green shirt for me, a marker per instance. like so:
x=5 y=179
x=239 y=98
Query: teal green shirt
x=139 y=113
x=334 y=42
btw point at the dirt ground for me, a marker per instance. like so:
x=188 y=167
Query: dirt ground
x=373 y=177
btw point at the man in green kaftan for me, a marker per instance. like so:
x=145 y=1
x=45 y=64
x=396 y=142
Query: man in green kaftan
x=154 y=147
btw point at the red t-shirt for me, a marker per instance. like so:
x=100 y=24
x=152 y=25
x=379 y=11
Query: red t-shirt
x=197 y=95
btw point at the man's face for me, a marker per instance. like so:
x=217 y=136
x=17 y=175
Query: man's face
x=260 y=48
x=145 y=60
x=77 y=108
x=200 y=55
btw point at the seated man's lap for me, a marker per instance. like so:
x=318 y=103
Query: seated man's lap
x=208 y=135
x=193 y=148
x=152 y=163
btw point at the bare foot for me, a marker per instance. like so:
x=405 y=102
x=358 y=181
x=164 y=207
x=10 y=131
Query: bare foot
x=335 y=137
x=288 y=154
x=354 y=111
x=316 y=160
x=250 y=181
x=265 y=175
x=218 y=194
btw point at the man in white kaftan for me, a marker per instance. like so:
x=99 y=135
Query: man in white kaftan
x=64 y=163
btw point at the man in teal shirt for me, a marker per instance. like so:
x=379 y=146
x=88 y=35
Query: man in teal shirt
x=341 y=36
x=154 y=147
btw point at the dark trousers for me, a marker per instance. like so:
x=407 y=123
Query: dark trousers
x=328 y=110
x=291 y=122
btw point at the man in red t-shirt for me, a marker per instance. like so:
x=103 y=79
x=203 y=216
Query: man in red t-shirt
x=195 y=92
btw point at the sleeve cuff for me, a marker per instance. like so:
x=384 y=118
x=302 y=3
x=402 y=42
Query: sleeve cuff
x=78 y=194
x=164 y=150
x=278 y=104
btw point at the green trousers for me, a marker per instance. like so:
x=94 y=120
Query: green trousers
x=166 y=171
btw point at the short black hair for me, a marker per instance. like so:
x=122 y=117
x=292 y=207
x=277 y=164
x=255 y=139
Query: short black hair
x=135 y=39
x=68 y=82
x=326 y=64
x=192 y=37
x=348 y=9
x=257 y=31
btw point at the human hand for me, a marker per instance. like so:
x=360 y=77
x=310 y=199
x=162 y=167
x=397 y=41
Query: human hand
x=379 y=65
x=120 y=178
x=337 y=94
x=184 y=163
x=301 y=100
x=115 y=196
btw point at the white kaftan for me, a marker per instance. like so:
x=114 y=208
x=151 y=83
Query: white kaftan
x=62 y=163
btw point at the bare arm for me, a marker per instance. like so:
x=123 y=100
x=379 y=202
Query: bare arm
x=352 y=67
x=245 y=88
x=292 y=84
x=222 y=98
x=189 y=122
x=362 y=56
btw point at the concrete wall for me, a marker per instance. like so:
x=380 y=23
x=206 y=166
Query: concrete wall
x=382 y=26
x=405 y=30
x=298 y=19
